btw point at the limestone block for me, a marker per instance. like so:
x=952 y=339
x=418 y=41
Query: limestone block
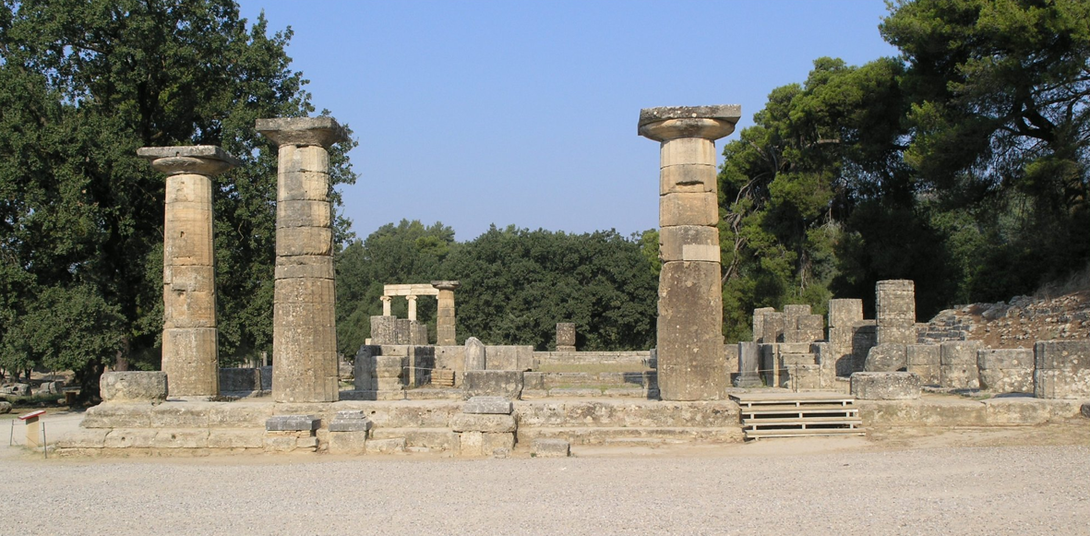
x=688 y=209
x=129 y=438
x=190 y=360
x=304 y=213
x=788 y=361
x=550 y=448
x=235 y=439
x=1006 y=370
x=687 y=178
x=802 y=376
x=300 y=185
x=133 y=386
x=302 y=132
x=305 y=267
x=794 y=311
x=504 y=383
x=292 y=423
x=299 y=291
x=383 y=330
x=385 y=446
x=471 y=444
x=691 y=362
x=349 y=425
x=687 y=151
x=279 y=443
x=565 y=334
x=773 y=325
x=923 y=360
x=748 y=365
x=509 y=357
x=1062 y=369
x=886 y=358
x=180 y=415
x=475 y=355
x=488 y=405
x=347 y=442
x=758 y=322
x=363 y=368
x=885 y=386
x=497 y=445
x=292 y=241
x=83 y=439
x=188 y=278
x=492 y=423
x=689 y=243
x=843 y=313
x=180 y=439
x=669 y=124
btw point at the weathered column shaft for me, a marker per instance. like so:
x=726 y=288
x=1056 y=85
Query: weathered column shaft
x=304 y=325
x=387 y=306
x=895 y=311
x=691 y=362
x=190 y=356
x=412 y=306
x=445 y=321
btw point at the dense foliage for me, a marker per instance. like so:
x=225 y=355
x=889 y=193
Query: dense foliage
x=961 y=165
x=516 y=284
x=83 y=84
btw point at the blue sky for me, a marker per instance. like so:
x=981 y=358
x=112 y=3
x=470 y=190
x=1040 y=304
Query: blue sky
x=474 y=113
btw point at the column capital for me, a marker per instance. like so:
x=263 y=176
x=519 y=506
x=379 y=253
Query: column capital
x=411 y=297
x=385 y=298
x=302 y=131
x=206 y=160
x=446 y=285
x=673 y=122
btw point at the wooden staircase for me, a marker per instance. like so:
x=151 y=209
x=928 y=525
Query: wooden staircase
x=782 y=414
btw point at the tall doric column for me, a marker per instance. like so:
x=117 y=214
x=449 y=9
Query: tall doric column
x=411 y=298
x=444 y=322
x=691 y=362
x=387 y=306
x=304 y=325
x=190 y=357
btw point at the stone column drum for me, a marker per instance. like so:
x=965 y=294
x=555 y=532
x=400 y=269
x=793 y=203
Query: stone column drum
x=445 y=321
x=387 y=306
x=895 y=311
x=691 y=361
x=304 y=327
x=412 y=306
x=190 y=357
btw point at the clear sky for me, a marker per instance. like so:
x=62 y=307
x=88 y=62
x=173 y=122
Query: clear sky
x=474 y=113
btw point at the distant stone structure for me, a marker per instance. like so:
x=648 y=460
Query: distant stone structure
x=691 y=362
x=565 y=337
x=304 y=319
x=190 y=356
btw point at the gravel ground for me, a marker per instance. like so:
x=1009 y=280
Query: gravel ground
x=833 y=486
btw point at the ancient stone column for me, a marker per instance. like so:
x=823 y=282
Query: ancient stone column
x=749 y=363
x=691 y=361
x=190 y=357
x=304 y=328
x=895 y=311
x=444 y=321
x=387 y=306
x=412 y=306
x=565 y=337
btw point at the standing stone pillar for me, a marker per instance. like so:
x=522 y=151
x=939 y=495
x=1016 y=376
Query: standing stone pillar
x=304 y=326
x=749 y=364
x=412 y=306
x=691 y=361
x=565 y=337
x=190 y=357
x=444 y=321
x=387 y=307
x=895 y=311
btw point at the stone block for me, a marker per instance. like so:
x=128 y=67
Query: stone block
x=687 y=178
x=885 y=385
x=886 y=358
x=505 y=383
x=279 y=443
x=550 y=448
x=959 y=352
x=509 y=357
x=689 y=243
x=475 y=355
x=691 y=363
x=180 y=439
x=385 y=446
x=686 y=150
x=133 y=386
x=299 y=241
x=491 y=423
x=349 y=425
x=844 y=313
x=117 y=415
x=1062 y=369
x=235 y=439
x=533 y=380
x=471 y=444
x=292 y=423
x=923 y=360
x=128 y=438
x=498 y=445
x=383 y=330
x=347 y=442
x=180 y=415
x=565 y=335
x=304 y=213
x=488 y=405
x=84 y=439
x=304 y=266
x=688 y=209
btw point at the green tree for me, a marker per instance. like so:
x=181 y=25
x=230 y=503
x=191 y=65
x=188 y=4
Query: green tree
x=83 y=84
x=1000 y=124
x=517 y=284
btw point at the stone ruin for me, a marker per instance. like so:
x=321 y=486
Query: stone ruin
x=483 y=400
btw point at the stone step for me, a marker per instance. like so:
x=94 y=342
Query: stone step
x=605 y=435
x=440 y=439
x=631 y=413
x=810 y=432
